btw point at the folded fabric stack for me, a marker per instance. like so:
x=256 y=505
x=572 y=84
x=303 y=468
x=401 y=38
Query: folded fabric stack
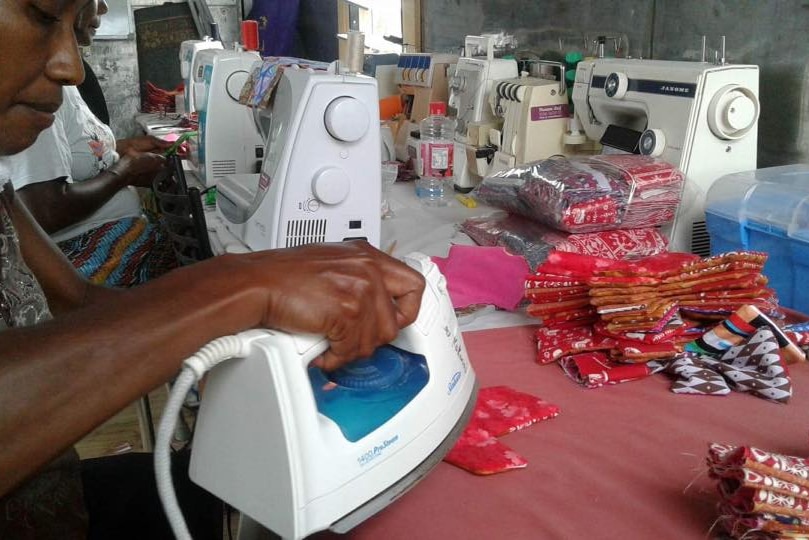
x=559 y=300
x=652 y=306
x=534 y=241
x=589 y=194
x=764 y=495
x=650 y=315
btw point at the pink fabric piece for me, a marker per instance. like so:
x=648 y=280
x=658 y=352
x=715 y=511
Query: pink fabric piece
x=483 y=275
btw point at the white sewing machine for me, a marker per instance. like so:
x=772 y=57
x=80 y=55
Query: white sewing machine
x=229 y=142
x=469 y=89
x=188 y=53
x=321 y=177
x=701 y=117
x=535 y=116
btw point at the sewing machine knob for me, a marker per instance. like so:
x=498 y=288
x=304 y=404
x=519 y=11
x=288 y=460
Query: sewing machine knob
x=616 y=85
x=331 y=185
x=347 y=119
x=733 y=112
x=652 y=142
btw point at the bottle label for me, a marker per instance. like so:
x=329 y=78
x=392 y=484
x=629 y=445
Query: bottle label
x=436 y=159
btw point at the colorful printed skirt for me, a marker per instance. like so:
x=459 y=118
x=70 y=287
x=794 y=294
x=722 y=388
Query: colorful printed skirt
x=121 y=253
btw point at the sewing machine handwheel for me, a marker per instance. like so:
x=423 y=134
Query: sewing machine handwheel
x=733 y=112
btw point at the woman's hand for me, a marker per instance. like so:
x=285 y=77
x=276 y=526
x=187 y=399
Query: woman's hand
x=138 y=168
x=355 y=295
x=143 y=143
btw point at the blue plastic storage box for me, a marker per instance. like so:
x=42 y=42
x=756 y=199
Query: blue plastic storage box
x=766 y=210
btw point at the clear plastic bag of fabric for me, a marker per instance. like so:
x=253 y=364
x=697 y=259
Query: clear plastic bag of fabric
x=535 y=241
x=588 y=194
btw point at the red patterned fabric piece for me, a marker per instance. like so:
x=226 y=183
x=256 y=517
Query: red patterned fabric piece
x=554 y=343
x=479 y=453
x=595 y=369
x=619 y=245
x=499 y=410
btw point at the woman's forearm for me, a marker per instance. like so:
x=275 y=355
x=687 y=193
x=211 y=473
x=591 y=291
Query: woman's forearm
x=57 y=204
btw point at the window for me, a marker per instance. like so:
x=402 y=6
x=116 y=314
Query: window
x=388 y=25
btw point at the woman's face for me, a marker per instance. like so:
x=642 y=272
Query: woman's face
x=89 y=20
x=38 y=55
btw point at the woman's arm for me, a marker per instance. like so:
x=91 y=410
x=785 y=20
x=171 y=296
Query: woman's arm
x=57 y=204
x=104 y=349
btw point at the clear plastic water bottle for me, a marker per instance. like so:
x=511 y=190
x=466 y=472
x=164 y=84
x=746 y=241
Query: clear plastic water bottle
x=436 y=160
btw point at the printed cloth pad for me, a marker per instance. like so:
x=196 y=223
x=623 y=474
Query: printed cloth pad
x=755 y=366
x=259 y=89
x=763 y=495
x=499 y=410
x=534 y=241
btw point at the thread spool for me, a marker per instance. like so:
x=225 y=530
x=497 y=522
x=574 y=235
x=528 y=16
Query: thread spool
x=250 y=35
x=356 y=51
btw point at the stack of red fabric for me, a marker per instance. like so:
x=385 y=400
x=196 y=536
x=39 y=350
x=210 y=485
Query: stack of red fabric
x=559 y=299
x=636 y=311
x=764 y=495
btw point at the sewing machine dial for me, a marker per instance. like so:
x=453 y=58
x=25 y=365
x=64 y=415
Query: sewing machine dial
x=346 y=119
x=331 y=185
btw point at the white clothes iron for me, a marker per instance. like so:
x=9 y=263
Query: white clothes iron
x=298 y=450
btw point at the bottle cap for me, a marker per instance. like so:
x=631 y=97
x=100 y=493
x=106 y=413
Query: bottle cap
x=438 y=108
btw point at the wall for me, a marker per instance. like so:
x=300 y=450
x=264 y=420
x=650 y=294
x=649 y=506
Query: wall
x=769 y=33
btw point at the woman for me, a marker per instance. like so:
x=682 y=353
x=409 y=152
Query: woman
x=63 y=375
x=80 y=186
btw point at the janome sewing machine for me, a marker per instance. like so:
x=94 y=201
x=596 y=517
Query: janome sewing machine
x=535 y=116
x=699 y=116
x=320 y=180
x=229 y=141
x=469 y=89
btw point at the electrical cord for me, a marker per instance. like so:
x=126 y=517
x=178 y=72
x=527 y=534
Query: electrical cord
x=194 y=367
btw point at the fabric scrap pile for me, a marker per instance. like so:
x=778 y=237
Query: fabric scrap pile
x=763 y=495
x=499 y=410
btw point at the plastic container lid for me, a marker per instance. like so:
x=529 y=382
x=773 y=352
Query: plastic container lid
x=773 y=199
